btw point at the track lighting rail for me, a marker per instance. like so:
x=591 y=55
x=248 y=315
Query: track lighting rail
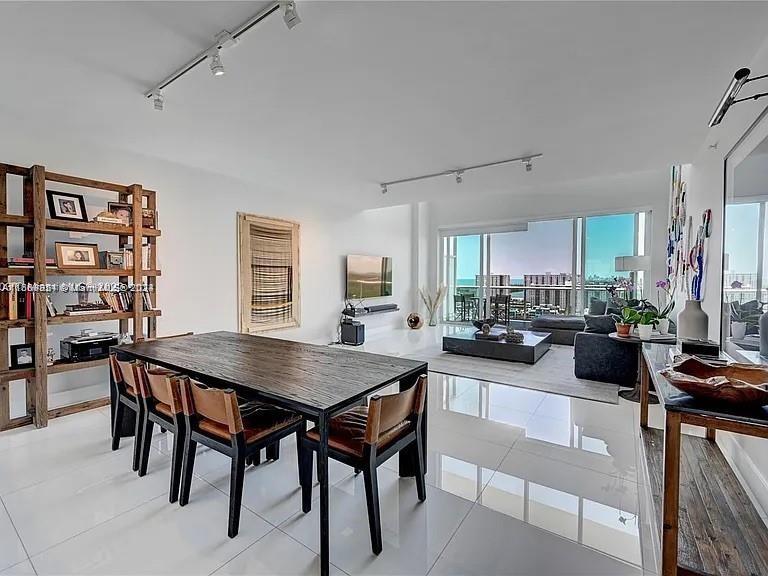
x=223 y=40
x=458 y=173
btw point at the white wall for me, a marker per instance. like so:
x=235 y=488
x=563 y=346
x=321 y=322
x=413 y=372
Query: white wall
x=198 y=249
x=706 y=184
x=616 y=194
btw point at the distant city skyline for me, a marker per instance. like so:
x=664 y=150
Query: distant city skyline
x=547 y=246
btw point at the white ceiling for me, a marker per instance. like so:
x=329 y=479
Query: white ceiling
x=362 y=92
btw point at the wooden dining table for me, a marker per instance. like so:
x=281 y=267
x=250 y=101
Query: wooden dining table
x=314 y=381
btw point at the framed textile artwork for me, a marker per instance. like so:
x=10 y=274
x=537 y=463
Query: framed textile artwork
x=268 y=270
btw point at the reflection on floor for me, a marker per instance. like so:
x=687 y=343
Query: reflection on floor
x=520 y=482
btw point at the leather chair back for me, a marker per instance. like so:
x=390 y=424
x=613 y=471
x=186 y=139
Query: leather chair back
x=122 y=372
x=390 y=411
x=214 y=404
x=161 y=385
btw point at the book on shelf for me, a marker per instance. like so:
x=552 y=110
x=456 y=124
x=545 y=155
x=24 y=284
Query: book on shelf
x=23 y=262
x=147 y=252
x=123 y=301
x=21 y=304
x=83 y=309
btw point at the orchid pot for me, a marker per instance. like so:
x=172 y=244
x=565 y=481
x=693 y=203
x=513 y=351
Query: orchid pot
x=663 y=325
x=644 y=331
x=738 y=330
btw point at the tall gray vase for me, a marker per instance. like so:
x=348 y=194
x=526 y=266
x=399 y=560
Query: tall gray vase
x=764 y=335
x=693 y=322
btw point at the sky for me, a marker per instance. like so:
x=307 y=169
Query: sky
x=547 y=247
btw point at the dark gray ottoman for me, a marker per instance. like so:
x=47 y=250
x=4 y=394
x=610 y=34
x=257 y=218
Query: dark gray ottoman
x=562 y=328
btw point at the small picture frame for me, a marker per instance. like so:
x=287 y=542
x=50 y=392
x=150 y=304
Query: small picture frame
x=121 y=210
x=148 y=218
x=22 y=356
x=74 y=256
x=65 y=206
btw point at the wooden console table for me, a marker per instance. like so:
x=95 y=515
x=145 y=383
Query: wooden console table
x=717 y=529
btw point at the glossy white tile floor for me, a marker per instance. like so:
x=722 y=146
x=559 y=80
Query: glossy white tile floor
x=519 y=482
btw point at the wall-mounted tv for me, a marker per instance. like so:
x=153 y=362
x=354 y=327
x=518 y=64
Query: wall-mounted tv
x=368 y=276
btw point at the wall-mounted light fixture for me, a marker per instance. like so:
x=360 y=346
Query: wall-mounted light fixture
x=740 y=78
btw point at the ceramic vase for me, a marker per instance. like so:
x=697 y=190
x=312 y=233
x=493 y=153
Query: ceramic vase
x=693 y=322
x=663 y=325
x=764 y=335
x=644 y=331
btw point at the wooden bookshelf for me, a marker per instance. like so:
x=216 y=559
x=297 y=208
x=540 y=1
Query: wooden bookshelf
x=35 y=224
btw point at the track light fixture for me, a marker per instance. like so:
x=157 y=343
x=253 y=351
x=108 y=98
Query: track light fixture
x=291 y=16
x=158 y=100
x=225 y=39
x=459 y=173
x=217 y=68
x=740 y=78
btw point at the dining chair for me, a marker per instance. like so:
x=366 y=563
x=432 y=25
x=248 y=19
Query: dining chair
x=237 y=428
x=125 y=397
x=161 y=399
x=365 y=437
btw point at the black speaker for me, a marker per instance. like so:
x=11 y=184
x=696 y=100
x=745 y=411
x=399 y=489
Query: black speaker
x=352 y=334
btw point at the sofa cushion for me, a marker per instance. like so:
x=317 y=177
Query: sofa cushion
x=558 y=323
x=597 y=307
x=599 y=324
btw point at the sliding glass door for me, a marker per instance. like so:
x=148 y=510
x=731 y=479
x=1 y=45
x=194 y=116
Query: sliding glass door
x=541 y=267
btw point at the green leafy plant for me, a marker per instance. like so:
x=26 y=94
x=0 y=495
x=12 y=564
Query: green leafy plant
x=628 y=316
x=748 y=312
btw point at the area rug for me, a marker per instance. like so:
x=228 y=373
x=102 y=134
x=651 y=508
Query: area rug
x=553 y=373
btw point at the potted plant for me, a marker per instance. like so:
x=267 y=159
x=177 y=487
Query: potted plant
x=624 y=322
x=666 y=309
x=646 y=323
x=432 y=302
x=744 y=315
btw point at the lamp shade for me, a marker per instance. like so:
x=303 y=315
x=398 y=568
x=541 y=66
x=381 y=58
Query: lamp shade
x=632 y=263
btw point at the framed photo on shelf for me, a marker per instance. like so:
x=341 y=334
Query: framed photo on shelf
x=71 y=255
x=22 y=356
x=148 y=218
x=65 y=206
x=121 y=210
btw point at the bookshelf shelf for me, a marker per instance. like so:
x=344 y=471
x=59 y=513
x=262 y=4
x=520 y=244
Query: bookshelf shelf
x=35 y=224
x=119 y=272
x=97 y=228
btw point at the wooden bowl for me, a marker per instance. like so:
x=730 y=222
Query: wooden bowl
x=737 y=384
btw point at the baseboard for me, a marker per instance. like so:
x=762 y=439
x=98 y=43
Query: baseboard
x=749 y=475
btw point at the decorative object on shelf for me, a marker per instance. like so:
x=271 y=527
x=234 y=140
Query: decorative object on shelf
x=65 y=206
x=121 y=210
x=75 y=256
x=111 y=260
x=485 y=329
x=432 y=302
x=415 y=321
x=22 y=356
x=693 y=322
x=738 y=384
x=269 y=295
x=665 y=309
x=124 y=338
x=148 y=218
x=82 y=294
x=51 y=355
x=626 y=321
x=107 y=217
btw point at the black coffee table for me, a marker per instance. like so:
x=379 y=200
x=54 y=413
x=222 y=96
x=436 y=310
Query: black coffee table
x=534 y=346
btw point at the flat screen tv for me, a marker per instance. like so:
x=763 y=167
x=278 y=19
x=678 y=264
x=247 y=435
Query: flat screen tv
x=368 y=276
